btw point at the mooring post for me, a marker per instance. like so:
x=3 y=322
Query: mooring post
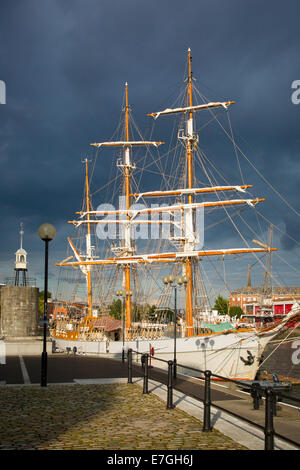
x=269 y=427
x=207 y=402
x=170 y=386
x=129 y=359
x=145 y=387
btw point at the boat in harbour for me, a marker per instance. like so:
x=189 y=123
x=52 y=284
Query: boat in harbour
x=151 y=235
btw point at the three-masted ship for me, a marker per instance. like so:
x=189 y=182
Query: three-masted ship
x=234 y=353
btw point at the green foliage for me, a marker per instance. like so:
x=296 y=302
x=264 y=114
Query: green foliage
x=41 y=301
x=151 y=310
x=235 y=311
x=221 y=304
x=116 y=309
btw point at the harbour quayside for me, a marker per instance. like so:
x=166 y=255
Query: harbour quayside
x=113 y=253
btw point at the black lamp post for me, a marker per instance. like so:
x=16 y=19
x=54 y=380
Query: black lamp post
x=123 y=293
x=179 y=282
x=46 y=232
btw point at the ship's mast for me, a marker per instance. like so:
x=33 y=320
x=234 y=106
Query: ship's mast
x=127 y=170
x=189 y=218
x=88 y=241
x=125 y=250
x=190 y=128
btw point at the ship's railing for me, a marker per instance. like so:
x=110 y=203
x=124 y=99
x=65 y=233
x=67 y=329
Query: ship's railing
x=256 y=390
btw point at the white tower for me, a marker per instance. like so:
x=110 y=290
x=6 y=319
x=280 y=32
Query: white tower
x=21 y=278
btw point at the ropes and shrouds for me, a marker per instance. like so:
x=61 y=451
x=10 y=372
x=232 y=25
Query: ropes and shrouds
x=175 y=171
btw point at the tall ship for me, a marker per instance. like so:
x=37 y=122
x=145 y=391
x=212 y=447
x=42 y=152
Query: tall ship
x=143 y=246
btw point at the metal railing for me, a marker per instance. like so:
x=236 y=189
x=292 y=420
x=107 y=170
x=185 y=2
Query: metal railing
x=256 y=392
x=29 y=282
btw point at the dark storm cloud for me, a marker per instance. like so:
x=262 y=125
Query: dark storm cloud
x=65 y=64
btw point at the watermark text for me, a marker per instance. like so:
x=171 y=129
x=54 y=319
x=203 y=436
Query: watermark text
x=2 y=92
x=151 y=222
x=296 y=354
x=296 y=94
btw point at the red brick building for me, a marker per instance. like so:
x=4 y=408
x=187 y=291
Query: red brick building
x=256 y=302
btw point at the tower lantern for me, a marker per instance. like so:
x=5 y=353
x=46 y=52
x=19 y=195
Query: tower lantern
x=21 y=278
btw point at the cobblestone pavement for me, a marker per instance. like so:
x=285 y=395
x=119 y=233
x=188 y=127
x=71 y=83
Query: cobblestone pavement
x=111 y=417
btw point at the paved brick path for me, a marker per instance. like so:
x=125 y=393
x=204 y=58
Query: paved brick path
x=111 y=417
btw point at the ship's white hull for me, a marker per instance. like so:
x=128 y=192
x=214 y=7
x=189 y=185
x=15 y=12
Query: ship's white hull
x=234 y=355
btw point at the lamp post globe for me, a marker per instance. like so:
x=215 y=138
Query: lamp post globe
x=46 y=232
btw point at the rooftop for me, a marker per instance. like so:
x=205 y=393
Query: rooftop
x=21 y=251
x=108 y=323
x=279 y=290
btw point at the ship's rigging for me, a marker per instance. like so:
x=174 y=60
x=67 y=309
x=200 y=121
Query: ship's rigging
x=180 y=214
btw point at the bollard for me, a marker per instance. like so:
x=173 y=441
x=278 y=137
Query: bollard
x=256 y=395
x=269 y=428
x=170 y=386
x=129 y=358
x=207 y=402
x=145 y=386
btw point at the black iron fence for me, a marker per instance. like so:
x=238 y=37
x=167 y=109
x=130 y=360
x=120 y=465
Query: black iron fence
x=256 y=390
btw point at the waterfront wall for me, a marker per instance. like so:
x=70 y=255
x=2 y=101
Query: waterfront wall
x=19 y=311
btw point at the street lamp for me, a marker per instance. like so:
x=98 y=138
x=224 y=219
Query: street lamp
x=170 y=280
x=46 y=233
x=124 y=294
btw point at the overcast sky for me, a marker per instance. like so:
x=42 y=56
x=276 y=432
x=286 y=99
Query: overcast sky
x=65 y=63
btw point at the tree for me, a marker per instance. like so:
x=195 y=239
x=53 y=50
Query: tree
x=41 y=301
x=151 y=312
x=221 y=304
x=168 y=314
x=116 y=309
x=235 y=311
